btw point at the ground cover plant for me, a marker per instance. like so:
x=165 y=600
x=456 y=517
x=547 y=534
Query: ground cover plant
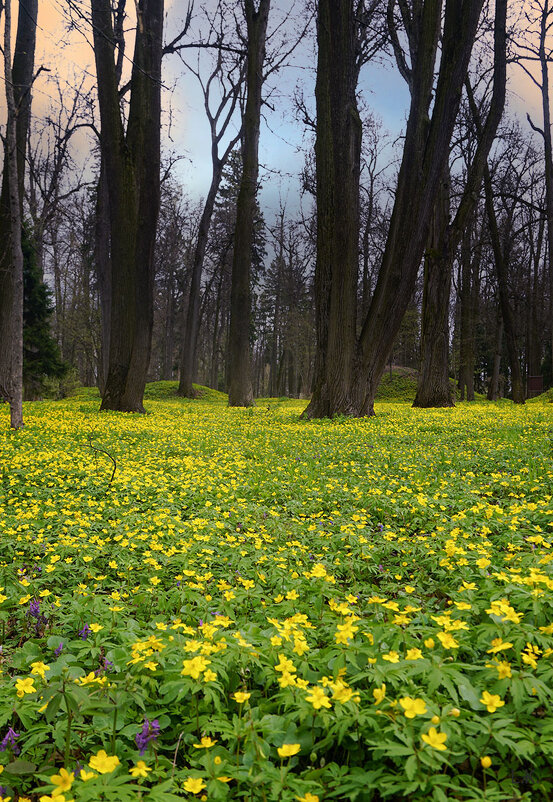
x=212 y=603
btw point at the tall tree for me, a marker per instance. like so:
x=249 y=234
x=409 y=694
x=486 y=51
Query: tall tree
x=434 y=389
x=337 y=157
x=425 y=153
x=18 y=79
x=240 y=386
x=227 y=77
x=537 y=48
x=132 y=160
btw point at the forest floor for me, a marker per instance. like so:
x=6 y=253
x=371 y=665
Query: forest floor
x=212 y=603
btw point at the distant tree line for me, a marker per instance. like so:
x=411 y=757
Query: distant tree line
x=433 y=252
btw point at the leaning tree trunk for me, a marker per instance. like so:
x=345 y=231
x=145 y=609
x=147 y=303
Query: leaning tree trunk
x=240 y=385
x=18 y=80
x=434 y=387
x=132 y=162
x=192 y=323
x=425 y=155
x=337 y=157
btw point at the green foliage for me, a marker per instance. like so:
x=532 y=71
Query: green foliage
x=41 y=356
x=276 y=609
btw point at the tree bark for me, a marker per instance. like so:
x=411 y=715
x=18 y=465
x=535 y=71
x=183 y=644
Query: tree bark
x=240 y=387
x=132 y=160
x=102 y=259
x=18 y=81
x=434 y=388
x=545 y=28
x=337 y=158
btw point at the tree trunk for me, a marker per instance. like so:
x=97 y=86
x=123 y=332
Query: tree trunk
x=192 y=324
x=468 y=268
x=434 y=388
x=337 y=157
x=425 y=154
x=501 y=259
x=544 y=57
x=240 y=387
x=132 y=161
x=18 y=80
x=493 y=389
x=102 y=259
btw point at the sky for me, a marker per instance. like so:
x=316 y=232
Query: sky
x=68 y=53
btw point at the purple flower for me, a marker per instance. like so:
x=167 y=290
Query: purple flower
x=148 y=733
x=9 y=741
x=34 y=608
x=84 y=632
x=58 y=650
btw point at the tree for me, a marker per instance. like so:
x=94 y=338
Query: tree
x=434 y=389
x=132 y=161
x=425 y=153
x=18 y=81
x=240 y=387
x=539 y=19
x=227 y=76
x=337 y=157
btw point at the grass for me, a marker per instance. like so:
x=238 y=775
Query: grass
x=265 y=608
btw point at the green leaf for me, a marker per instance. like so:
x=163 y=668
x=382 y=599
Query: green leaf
x=21 y=767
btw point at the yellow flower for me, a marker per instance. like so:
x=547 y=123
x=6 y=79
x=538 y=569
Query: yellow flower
x=205 y=743
x=24 y=686
x=63 y=781
x=194 y=667
x=447 y=640
x=413 y=707
x=86 y=775
x=429 y=643
x=241 y=697
x=103 y=763
x=486 y=762
x=435 y=739
x=379 y=694
x=499 y=646
x=413 y=654
x=288 y=750
x=140 y=770
x=209 y=675
x=96 y=627
x=39 y=668
x=317 y=698
x=391 y=657
x=503 y=669
x=286 y=680
x=194 y=785
x=491 y=701
x=308 y=798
